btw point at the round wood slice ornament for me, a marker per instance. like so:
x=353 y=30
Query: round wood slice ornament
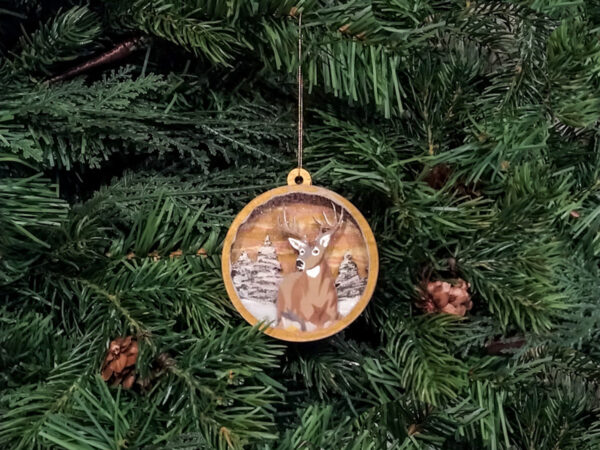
x=301 y=259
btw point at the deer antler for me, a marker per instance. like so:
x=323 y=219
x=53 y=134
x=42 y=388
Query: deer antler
x=290 y=229
x=329 y=225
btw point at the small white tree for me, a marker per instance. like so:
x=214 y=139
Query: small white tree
x=242 y=275
x=266 y=275
x=349 y=285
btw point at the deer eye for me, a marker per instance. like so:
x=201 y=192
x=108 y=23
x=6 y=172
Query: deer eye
x=315 y=251
x=301 y=251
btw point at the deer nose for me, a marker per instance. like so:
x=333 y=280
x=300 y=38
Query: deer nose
x=300 y=264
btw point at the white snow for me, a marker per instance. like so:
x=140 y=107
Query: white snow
x=346 y=305
x=266 y=312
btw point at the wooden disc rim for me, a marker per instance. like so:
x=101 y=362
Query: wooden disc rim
x=372 y=272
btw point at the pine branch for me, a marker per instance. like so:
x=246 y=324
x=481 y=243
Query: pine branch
x=178 y=22
x=30 y=212
x=30 y=407
x=63 y=38
x=219 y=382
x=99 y=418
x=74 y=123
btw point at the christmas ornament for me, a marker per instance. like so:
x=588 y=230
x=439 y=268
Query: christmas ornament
x=119 y=363
x=300 y=258
x=441 y=296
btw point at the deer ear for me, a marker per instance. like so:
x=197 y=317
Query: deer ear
x=324 y=240
x=297 y=244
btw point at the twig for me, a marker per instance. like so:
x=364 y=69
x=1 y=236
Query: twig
x=503 y=347
x=121 y=51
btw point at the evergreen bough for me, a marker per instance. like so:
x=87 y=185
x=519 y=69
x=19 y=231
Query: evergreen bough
x=117 y=187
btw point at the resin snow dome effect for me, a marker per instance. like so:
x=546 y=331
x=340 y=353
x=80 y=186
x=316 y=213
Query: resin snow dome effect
x=302 y=260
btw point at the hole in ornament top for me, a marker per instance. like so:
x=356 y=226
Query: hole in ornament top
x=299 y=179
x=300 y=262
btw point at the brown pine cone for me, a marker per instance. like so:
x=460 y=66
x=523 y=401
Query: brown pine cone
x=119 y=363
x=159 y=366
x=441 y=296
x=438 y=176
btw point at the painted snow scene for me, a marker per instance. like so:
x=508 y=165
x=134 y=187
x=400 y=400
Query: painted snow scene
x=299 y=262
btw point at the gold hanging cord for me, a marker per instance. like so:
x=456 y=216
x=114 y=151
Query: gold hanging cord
x=300 y=94
x=298 y=175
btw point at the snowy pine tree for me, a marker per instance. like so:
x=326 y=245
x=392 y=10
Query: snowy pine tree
x=266 y=275
x=242 y=275
x=258 y=280
x=349 y=285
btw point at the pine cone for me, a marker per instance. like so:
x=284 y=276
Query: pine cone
x=441 y=296
x=159 y=366
x=119 y=363
x=438 y=176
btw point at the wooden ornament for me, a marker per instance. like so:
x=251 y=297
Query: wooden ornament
x=301 y=259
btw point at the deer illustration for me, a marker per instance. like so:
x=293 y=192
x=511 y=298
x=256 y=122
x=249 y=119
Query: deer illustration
x=307 y=298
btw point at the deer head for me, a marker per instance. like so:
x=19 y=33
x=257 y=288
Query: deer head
x=310 y=253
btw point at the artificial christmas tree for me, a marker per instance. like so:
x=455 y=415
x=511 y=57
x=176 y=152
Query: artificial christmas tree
x=133 y=131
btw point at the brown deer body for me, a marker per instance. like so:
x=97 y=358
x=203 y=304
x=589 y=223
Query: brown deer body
x=308 y=298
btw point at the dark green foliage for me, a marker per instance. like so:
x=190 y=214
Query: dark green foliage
x=465 y=131
x=75 y=123
x=31 y=210
x=61 y=39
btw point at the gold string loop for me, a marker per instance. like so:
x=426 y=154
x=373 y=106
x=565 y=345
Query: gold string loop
x=300 y=95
